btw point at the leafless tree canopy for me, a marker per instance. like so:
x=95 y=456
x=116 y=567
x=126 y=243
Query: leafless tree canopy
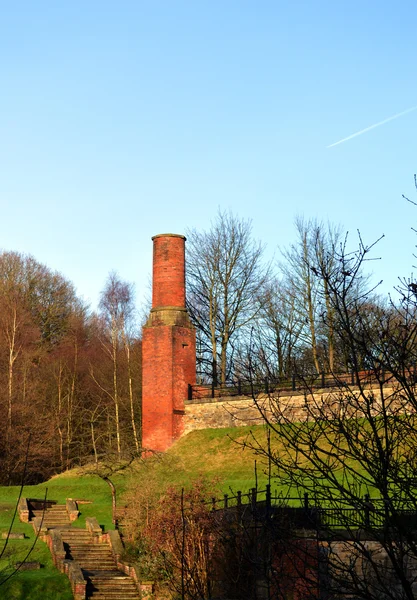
x=225 y=282
x=59 y=364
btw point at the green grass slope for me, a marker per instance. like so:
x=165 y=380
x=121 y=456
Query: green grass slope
x=219 y=453
x=215 y=453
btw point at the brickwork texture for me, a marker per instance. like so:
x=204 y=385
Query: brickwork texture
x=168 y=347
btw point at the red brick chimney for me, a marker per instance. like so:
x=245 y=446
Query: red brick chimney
x=168 y=347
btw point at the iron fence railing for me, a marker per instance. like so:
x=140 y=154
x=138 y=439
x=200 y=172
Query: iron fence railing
x=270 y=385
x=369 y=513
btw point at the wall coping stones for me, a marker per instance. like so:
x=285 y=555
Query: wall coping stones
x=72 y=509
x=115 y=542
x=92 y=526
x=23 y=510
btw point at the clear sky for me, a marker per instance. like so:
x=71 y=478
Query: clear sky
x=122 y=120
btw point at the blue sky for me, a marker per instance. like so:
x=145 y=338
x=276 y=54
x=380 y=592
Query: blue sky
x=122 y=120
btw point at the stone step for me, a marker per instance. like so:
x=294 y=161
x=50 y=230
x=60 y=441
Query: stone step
x=99 y=555
x=117 y=595
x=81 y=558
x=97 y=560
x=58 y=510
x=112 y=581
x=39 y=513
x=110 y=578
x=83 y=548
x=104 y=581
x=48 y=511
x=116 y=588
x=51 y=509
x=61 y=522
x=91 y=552
x=85 y=545
x=122 y=593
x=58 y=521
x=95 y=565
x=77 y=539
x=112 y=596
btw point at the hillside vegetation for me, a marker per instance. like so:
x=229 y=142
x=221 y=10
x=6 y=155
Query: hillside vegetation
x=218 y=454
x=224 y=456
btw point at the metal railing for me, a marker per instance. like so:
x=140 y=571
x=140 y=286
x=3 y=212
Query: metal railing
x=368 y=514
x=296 y=383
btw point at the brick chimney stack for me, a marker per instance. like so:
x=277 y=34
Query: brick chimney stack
x=168 y=347
x=168 y=277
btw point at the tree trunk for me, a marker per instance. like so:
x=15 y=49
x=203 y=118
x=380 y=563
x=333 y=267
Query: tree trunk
x=132 y=408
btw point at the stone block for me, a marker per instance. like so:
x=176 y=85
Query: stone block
x=28 y=566
x=12 y=536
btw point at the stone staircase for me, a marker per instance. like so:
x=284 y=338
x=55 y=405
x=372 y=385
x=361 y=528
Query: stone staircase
x=54 y=516
x=98 y=565
x=88 y=556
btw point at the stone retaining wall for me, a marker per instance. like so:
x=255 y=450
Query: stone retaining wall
x=239 y=411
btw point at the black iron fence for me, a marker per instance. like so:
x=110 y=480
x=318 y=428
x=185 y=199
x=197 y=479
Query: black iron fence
x=368 y=513
x=295 y=383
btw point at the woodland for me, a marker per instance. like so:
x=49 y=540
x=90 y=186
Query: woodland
x=70 y=378
x=70 y=390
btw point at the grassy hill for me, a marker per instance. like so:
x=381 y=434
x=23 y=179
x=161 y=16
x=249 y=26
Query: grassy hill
x=223 y=455
x=215 y=453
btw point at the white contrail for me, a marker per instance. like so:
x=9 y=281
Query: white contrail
x=404 y=112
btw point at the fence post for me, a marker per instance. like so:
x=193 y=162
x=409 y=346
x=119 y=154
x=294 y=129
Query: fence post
x=212 y=388
x=323 y=380
x=266 y=385
x=254 y=493
x=293 y=382
x=213 y=503
x=239 y=387
x=367 y=510
x=190 y=391
x=305 y=500
x=225 y=501
x=268 y=496
x=239 y=507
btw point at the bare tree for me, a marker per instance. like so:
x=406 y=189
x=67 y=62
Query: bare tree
x=225 y=279
x=275 y=334
x=297 y=268
x=117 y=308
x=353 y=450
